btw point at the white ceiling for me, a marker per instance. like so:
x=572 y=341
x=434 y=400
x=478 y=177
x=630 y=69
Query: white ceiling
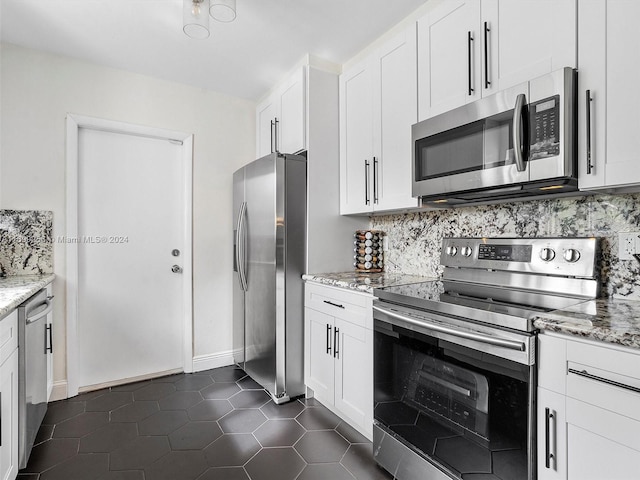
x=244 y=58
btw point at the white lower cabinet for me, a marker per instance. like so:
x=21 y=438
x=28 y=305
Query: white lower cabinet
x=9 y=396
x=339 y=353
x=588 y=425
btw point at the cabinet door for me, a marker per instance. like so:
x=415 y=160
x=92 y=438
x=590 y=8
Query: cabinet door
x=265 y=116
x=9 y=416
x=552 y=436
x=356 y=140
x=526 y=39
x=395 y=103
x=49 y=343
x=354 y=374
x=448 y=57
x=601 y=444
x=606 y=71
x=291 y=118
x=319 y=363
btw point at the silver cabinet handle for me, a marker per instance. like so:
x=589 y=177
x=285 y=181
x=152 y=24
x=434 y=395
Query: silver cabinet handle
x=375 y=180
x=590 y=376
x=366 y=182
x=587 y=110
x=518 y=150
x=271 y=131
x=548 y=455
x=510 y=344
x=275 y=136
x=487 y=83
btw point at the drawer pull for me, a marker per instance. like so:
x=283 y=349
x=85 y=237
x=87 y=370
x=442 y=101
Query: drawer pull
x=584 y=373
x=334 y=304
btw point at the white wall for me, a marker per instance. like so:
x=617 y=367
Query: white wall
x=39 y=89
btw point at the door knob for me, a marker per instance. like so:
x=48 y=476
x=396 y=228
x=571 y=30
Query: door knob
x=175 y=252
x=176 y=269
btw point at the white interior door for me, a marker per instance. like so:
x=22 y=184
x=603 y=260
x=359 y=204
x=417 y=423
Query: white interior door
x=131 y=206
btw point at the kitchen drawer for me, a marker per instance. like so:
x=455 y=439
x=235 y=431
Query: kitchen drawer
x=8 y=335
x=617 y=428
x=353 y=307
x=606 y=356
x=605 y=376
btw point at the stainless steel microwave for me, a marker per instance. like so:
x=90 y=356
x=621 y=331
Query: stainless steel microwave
x=520 y=142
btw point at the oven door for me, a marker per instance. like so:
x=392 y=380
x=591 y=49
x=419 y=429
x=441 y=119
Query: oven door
x=453 y=399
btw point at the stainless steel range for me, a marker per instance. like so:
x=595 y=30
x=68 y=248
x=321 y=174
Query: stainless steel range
x=455 y=359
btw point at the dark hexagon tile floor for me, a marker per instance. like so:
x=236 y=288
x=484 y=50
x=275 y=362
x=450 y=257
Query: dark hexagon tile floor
x=213 y=425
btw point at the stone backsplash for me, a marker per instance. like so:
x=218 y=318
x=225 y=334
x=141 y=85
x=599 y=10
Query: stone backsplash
x=415 y=238
x=26 y=242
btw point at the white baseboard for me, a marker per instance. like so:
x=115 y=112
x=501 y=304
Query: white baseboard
x=212 y=360
x=59 y=391
x=200 y=363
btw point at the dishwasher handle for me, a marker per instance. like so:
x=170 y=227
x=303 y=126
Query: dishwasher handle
x=42 y=311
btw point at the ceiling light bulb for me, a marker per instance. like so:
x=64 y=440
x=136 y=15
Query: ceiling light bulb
x=195 y=19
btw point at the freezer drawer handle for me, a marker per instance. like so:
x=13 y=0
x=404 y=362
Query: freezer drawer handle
x=590 y=376
x=334 y=304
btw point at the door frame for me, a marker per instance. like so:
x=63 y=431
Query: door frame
x=73 y=124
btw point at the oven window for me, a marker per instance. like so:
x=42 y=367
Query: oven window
x=479 y=145
x=466 y=410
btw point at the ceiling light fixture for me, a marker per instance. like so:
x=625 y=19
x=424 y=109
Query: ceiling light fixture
x=223 y=10
x=195 y=18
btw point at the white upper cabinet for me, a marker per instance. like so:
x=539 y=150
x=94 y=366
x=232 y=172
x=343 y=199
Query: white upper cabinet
x=526 y=39
x=377 y=108
x=280 y=118
x=448 y=57
x=265 y=117
x=468 y=49
x=356 y=139
x=608 y=75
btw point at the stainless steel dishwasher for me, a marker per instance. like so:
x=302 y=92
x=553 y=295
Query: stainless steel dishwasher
x=34 y=344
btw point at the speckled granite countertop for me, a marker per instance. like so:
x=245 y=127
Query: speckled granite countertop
x=609 y=320
x=16 y=289
x=363 y=282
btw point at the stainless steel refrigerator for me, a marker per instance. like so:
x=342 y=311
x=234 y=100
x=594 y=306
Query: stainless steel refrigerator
x=269 y=208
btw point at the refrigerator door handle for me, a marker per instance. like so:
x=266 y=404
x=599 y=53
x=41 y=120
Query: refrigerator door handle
x=241 y=250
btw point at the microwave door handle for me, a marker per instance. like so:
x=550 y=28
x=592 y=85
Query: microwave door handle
x=518 y=147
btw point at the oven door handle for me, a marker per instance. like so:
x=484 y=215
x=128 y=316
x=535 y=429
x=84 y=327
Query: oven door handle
x=510 y=344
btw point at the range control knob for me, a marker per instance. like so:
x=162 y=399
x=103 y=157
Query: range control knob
x=547 y=254
x=452 y=250
x=466 y=251
x=571 y=255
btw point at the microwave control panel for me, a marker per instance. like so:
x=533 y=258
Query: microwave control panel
x=544 y=127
